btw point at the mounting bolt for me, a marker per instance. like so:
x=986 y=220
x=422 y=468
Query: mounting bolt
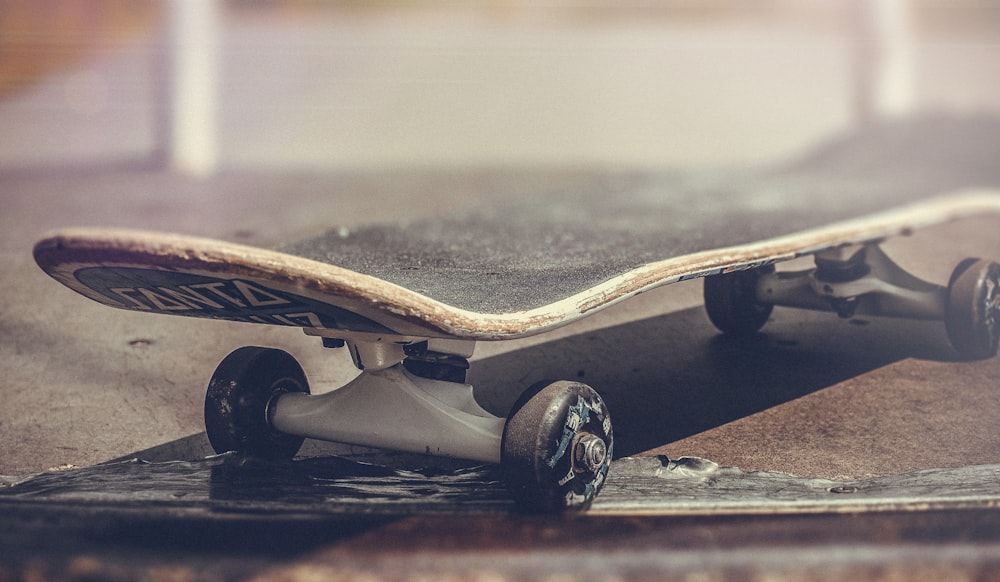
x=843 y=489
x=590 y=452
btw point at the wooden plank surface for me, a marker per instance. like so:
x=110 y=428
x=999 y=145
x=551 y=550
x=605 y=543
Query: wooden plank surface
x=326 y=517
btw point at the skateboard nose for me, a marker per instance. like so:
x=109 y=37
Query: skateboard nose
x=590 y=452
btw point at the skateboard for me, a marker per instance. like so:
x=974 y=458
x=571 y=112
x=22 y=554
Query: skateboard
x=409 y=301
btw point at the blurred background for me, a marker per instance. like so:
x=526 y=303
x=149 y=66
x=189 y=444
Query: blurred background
x=200 y=86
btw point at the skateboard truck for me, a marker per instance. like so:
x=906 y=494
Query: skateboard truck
x=863 y=279
x=554 y=449
x=859 y=279
x=389 y=406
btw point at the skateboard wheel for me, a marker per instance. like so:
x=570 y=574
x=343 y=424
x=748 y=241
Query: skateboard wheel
x=557 y=447
x=731 y=301
x=973 y=311
x=238 y=398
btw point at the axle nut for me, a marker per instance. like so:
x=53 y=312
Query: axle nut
x=590 y=452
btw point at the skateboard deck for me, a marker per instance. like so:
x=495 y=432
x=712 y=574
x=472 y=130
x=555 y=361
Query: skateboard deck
x=497 y=273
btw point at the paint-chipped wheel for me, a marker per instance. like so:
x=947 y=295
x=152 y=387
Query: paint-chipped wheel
x=973 y=315
x=557 y=447
x=731 y=301
x=238 y=400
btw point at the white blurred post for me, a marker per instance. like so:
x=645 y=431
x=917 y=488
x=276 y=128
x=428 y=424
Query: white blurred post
x=884 y=84
x=193 y=41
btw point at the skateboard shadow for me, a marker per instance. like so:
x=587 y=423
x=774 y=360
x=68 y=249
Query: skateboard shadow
x=674 y=376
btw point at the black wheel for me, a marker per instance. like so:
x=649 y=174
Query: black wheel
x=731 y=301
x=239 y=394
x=973 y=311
x=557 y=447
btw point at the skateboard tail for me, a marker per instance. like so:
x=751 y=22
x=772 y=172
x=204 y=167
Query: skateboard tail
x=188 y=276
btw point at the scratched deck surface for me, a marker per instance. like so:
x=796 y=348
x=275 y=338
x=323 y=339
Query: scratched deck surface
x=540 y=249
